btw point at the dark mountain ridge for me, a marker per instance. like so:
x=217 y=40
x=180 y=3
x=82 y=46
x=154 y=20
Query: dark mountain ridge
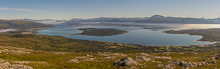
x=153 y=19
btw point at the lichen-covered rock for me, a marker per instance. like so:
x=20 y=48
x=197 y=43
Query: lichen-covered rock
x=126 y=62
x=214 y=60
x=144 y=54
x=109 y=58
x=26 y=62
x=89 y=59
x=186 y=64
x=162 y=57
x=141 y=58
x=118 y=54
x=18 y=66
x=160 y=65
x=173 y=64
x=6 y=65
x=74 y=61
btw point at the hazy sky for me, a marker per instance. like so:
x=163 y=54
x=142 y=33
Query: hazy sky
x=67 y=9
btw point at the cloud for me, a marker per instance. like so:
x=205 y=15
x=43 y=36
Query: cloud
x=18 y=9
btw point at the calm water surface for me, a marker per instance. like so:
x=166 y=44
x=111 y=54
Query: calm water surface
x=136 y=35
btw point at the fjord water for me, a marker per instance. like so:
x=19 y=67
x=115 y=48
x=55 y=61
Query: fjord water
x=136 y=35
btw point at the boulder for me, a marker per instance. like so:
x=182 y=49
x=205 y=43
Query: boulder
x=126 y=62
x=172 y=64
x=4 y=63
x=214 y=60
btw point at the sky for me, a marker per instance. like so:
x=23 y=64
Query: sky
x=67 y=9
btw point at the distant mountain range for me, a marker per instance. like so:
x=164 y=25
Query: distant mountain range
x=215 y=20
x=106 y=19
x=153 y=19
x=162 y=19
x=45 y=21
x=32 y=20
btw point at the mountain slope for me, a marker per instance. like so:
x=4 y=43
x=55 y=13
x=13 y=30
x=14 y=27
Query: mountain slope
x=19 y=24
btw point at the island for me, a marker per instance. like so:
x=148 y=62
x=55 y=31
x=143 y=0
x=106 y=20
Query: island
x=101 y=32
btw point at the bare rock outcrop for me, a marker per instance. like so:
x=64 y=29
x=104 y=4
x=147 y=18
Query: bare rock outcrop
x=17 y=66
x=126 y=62
x=144 y=54
x=185 y=64
x=141 y=58
x=6 y=65
x=74 y=61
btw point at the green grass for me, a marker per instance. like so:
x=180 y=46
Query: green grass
x=58 y=61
